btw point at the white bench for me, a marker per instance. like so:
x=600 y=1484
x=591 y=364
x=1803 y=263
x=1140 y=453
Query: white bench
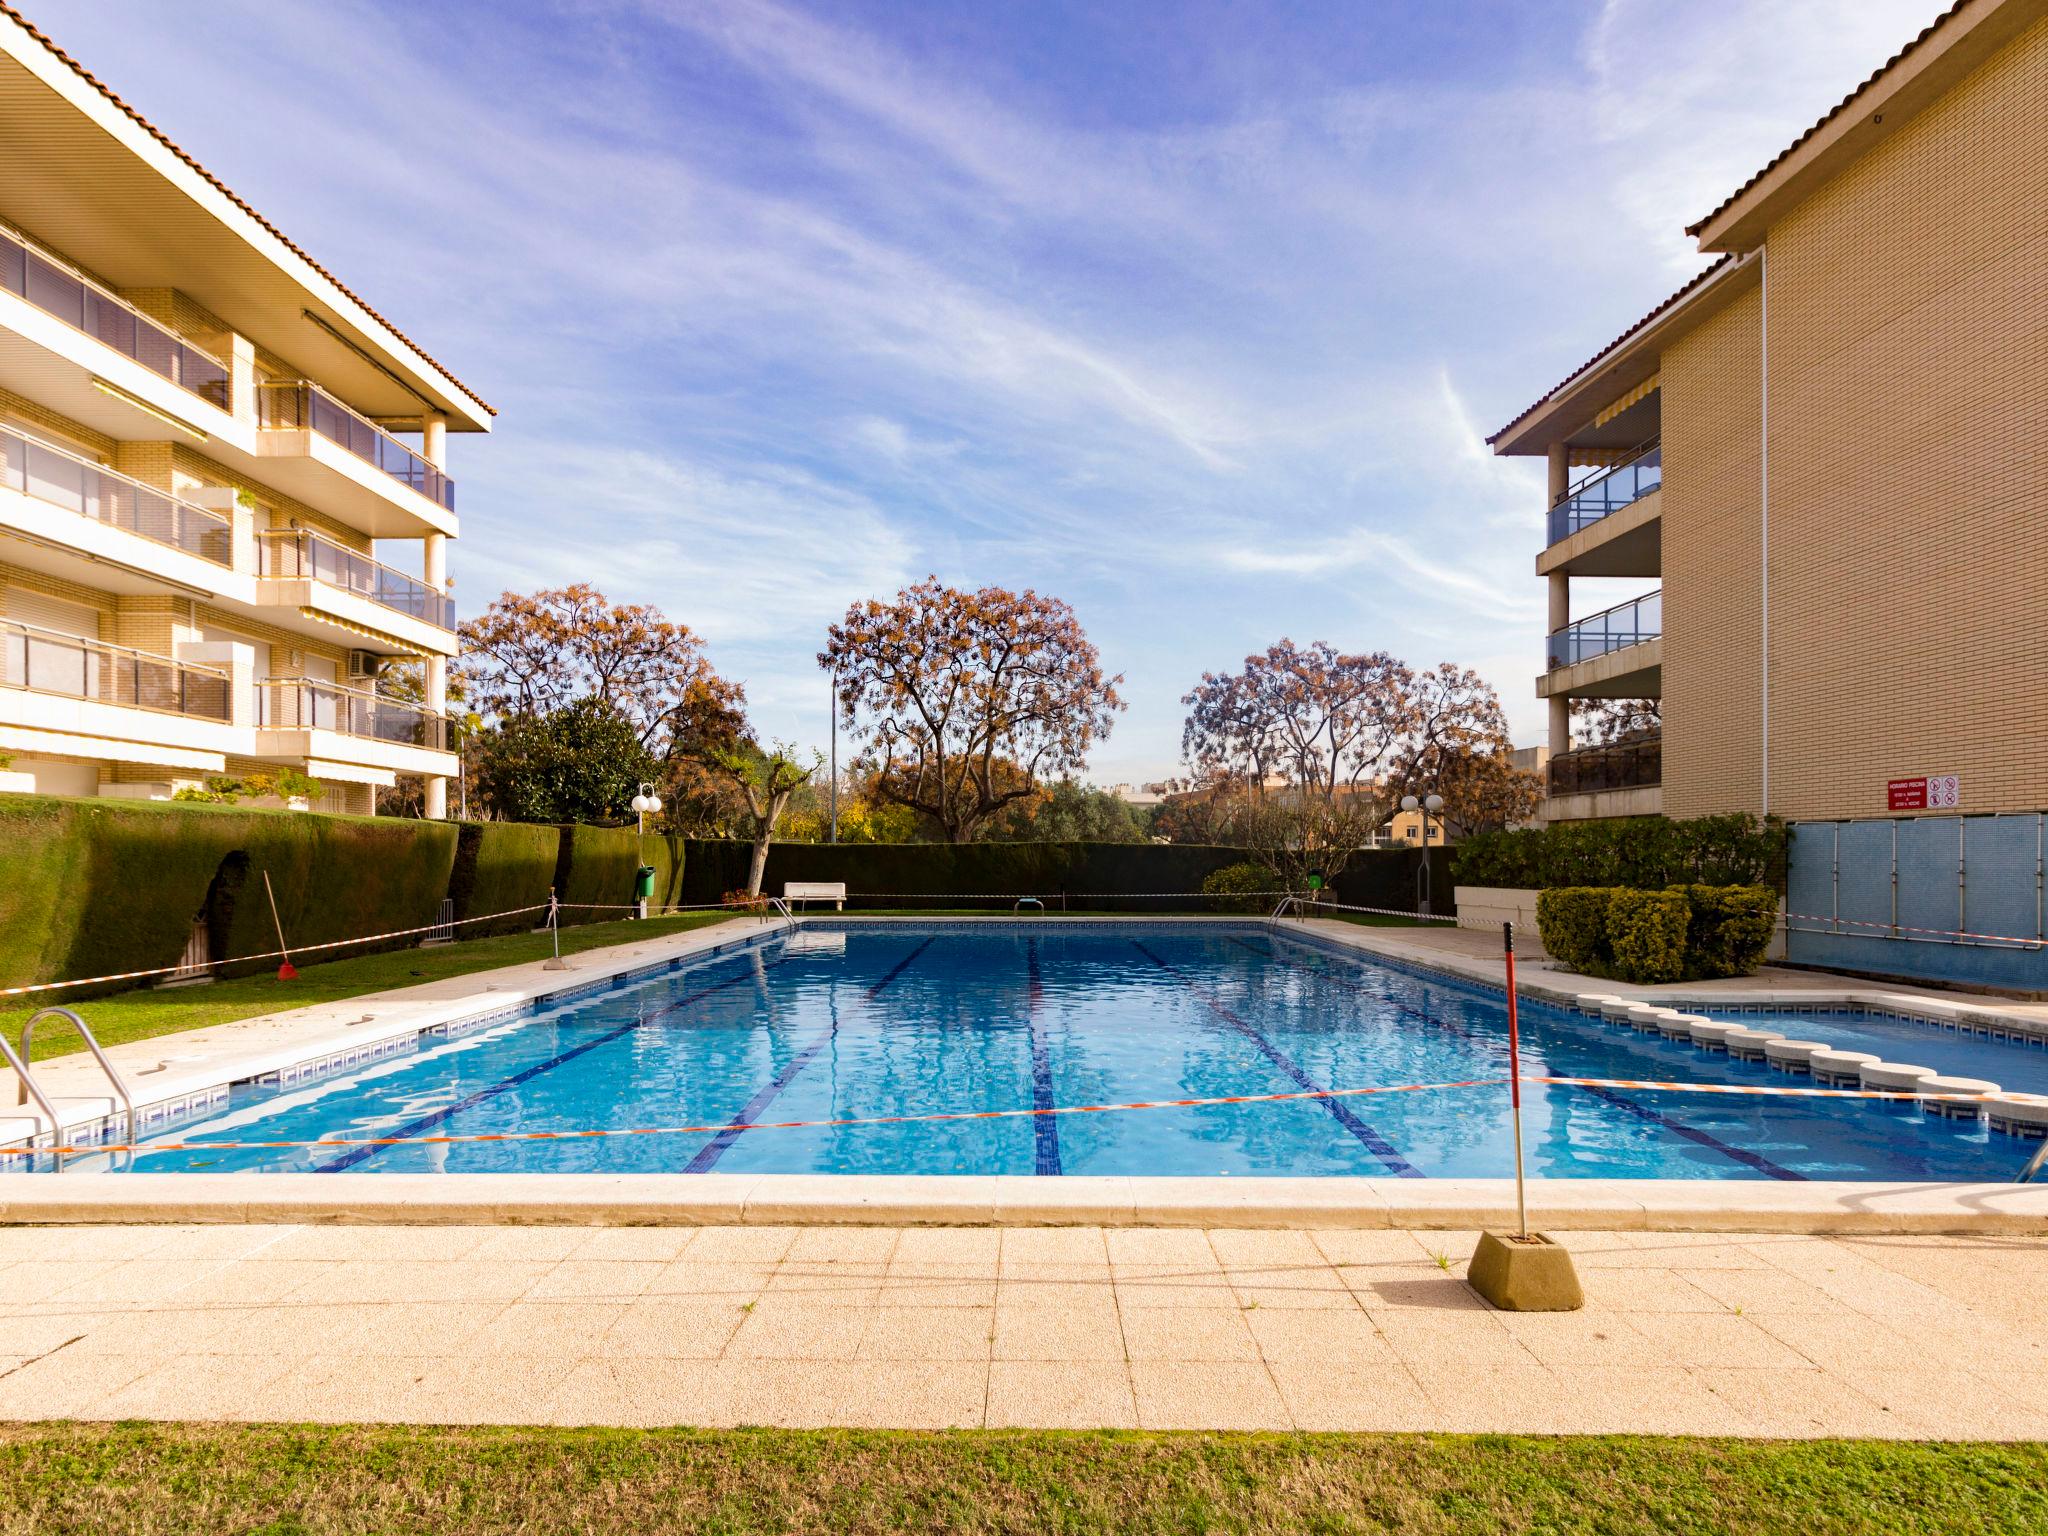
x=833 y=891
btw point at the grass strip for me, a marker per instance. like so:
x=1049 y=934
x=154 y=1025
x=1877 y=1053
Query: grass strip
x=155 y=1480
x=151 y=1011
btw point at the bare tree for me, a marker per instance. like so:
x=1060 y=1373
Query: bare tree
x=969 y=698
x=1329 y=722
x=1615 y=722
x=764 y=778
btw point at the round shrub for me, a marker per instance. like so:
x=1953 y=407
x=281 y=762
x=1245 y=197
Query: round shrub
x=1246 y=887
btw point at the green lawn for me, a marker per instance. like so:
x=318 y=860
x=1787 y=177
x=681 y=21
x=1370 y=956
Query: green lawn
x=114 y=1480
x=148 y=1012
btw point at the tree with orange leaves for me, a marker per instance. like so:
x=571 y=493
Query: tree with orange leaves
x=969 y=698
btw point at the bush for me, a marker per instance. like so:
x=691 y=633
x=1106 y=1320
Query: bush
x=1646 y=935
x=1245 y=887
x=1646 y=853
x=500 y=866
x=1685 y=933
x=1573 y=922
x=1729 y=929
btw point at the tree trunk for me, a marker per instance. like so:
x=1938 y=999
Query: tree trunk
x=764 y=834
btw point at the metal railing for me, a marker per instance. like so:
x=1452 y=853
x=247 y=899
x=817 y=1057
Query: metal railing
x=1624 y=624
x=49 y=661
x=84 y=305
x=1621 y=765
x=298 y=405
x=306 y=704
x=78 y=485
x=1607 y=493
x=302 y=554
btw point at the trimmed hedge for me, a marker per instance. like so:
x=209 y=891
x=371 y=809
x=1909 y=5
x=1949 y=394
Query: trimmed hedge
x=1116 y=872
x=595 y=870
x=1647 y=853
x=89 y=887
x=1684 y=933
x=501 y=866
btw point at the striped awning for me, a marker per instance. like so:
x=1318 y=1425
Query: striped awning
x=1640 y=392
x=384 y=644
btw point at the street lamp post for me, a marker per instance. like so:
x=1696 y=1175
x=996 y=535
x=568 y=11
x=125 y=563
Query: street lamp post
x=1430 y=805
x=832 y=786
x=646 y=803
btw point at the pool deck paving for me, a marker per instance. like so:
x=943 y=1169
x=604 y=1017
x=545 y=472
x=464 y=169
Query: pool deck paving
x=1737 y=1334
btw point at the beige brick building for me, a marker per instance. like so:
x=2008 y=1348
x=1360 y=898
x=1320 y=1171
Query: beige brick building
x=1831 y=450
x=225 y=505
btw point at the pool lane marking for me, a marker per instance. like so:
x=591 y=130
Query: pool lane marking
x=368 y=1148
x=1640 y=1085
x=1603 y=1091
x=1378 y=1145
x=708 y=1155
x=1045 y=1151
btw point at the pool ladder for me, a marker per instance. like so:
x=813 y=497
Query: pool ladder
x=2033 y=1168
x=30 y=1088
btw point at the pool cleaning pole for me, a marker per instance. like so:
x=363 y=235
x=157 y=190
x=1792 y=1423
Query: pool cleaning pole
x=1507 y=931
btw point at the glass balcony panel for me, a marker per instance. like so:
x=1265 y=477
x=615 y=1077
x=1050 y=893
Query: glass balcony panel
x=304 y=704
x=1620 y=765
x=65 y=480
x=304 y=554
x=1606 y=494
x=1624 y=624
x=45 y=661
x=296 y=405
x=112 y=320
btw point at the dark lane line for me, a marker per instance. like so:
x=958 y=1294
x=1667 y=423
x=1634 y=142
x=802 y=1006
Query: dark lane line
x=708 y=1155
x=1499 y=1052
x=1389 y=1155
x=1046 y=1147
x=441 y=1116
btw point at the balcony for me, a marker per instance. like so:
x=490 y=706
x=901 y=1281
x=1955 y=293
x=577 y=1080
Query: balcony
x=68 y=666
x=1607 y=493
x=85 y=306
x=74 y=484
x=300 y=406
x=304 y=704
x=303 y=555
x=1598 y=770
x=1611 y=629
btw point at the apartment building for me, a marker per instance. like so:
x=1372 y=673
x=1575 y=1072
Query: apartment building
x=225 y=503
x=1827 y=450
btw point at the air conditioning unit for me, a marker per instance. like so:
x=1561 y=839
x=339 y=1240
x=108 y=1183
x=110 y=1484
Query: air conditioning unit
x=364 y=665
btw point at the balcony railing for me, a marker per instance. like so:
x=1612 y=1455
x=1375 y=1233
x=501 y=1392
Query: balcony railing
x=304 y=704
x=1609 y=630
x=304 y=555
x=86 y=306
x=1605 y=494
x=48 y=661
x=294 y=405
x=1623 y=765
x=79 y=485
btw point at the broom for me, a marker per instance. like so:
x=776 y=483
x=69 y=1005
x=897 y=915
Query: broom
x=287 y=971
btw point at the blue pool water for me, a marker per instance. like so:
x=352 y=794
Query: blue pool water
x=893 y=1020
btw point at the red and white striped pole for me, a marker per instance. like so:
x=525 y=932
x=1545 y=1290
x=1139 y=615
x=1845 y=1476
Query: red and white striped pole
x=1507 y=931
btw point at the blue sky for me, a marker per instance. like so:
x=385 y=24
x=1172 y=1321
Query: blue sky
x=1194 y=314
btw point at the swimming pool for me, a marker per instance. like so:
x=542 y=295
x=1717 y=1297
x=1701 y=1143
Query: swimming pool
x=852 y=1021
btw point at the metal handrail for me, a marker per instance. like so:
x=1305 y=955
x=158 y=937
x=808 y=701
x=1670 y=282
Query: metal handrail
x=192 y=529
x=1636 y=764
x=213 y=701
x=91 y=1044
x=24 y=264
x=1600 y=472
x=353 y=571
x=32 y=1089
x=313 y=409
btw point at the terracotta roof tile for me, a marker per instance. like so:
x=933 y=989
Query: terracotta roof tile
x=220 y=186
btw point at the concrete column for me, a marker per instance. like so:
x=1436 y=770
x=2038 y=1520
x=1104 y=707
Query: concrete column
x=1560 y=472
x=434 y=561
x=242 y=377
x=434 y=438
x=1560 y=615
x=434 y=566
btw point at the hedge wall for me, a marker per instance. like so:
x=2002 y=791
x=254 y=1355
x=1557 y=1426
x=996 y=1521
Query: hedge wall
x=1384 y=877
x=501 y=866
x=594 y=871
x=1646 y=853
x=89 y=887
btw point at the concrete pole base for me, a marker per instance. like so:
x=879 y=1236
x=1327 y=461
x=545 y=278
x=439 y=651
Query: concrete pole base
x=1525 y=1274
x=556 y=965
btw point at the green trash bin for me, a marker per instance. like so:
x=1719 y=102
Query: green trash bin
x=643 y=888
